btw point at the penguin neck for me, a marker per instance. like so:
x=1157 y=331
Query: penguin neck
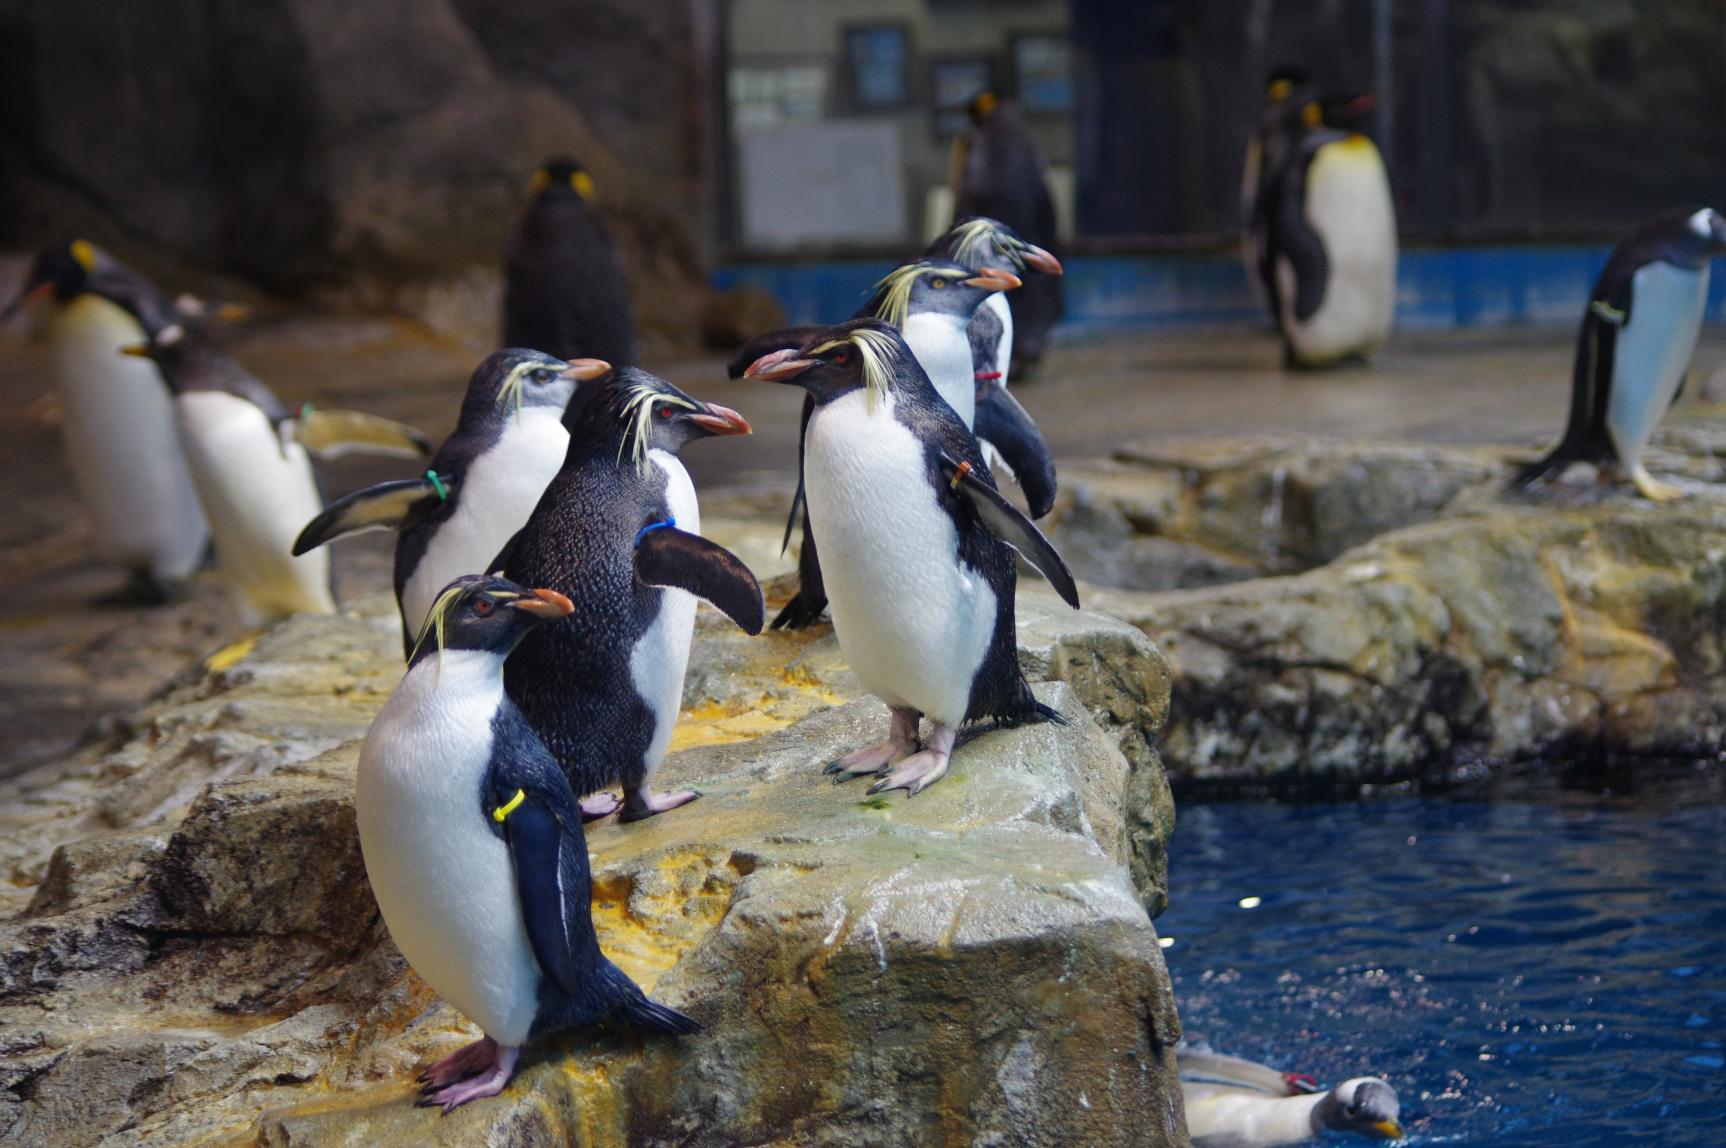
x=441 y=674
x=942 y=348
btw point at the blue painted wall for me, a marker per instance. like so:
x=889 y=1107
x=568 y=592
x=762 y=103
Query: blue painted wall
x=1436 y=288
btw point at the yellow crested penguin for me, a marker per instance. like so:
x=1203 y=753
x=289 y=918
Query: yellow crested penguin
x=1237 y=1103
x=118 y=433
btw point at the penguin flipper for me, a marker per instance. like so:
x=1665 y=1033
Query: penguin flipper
x=672 y=557
x=1006 y=425
x=1005 y=521
x=385 y=506
x=1293 y=238
x=331 y=434
x=548 y=874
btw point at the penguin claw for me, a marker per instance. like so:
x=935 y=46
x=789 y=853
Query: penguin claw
x=597 y=805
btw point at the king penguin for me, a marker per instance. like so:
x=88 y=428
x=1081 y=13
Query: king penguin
x=250 y=458
x=1236 y=1103
x=484 y=481
x=1330 y=245
x=118 y=433
x=1637 y=336
x=1288 y=92
x=916 y=539
x=565 y=292
x=618 y=532
x=473 y=846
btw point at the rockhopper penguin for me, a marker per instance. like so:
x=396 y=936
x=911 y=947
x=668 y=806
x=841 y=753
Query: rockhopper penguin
x=250 y=458
x=118 y=431
x=482 y=484
x=473 y=845
x=617 y=531
x=916 y=538
x=1236 y=1103
x=1637 y=337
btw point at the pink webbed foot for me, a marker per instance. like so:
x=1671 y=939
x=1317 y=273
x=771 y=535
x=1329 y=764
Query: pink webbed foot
x=922 y=769
x=459 y=1065
x=489 y=1082
x=901 y=740
x=597 y=805
x=643 y=803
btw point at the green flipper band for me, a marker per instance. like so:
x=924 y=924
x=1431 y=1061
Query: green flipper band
x=501 y=812
x=442 y=496
x=1607 y=311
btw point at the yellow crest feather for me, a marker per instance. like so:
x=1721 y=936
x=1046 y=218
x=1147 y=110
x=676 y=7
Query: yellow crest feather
x=976 y=239
x=638 y=411
x=895 y=291
x=879 y=351
x=514 y=383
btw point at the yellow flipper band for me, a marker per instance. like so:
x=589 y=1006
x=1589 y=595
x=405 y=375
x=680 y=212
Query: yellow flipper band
x=508 y=807
x=1606 y=311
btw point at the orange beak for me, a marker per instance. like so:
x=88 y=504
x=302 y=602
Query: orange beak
x=1038 y=259
x=778 y=366
x=583 y=370
x=721 y=420
x=994 y=279
x=545 y=604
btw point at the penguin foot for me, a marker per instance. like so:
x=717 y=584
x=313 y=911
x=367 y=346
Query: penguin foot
x=458 y=1065
x=901 y=741
x=639 y=804
x=1652 y=488
x=597 y=805
x=489 y=1082
x=923 y=769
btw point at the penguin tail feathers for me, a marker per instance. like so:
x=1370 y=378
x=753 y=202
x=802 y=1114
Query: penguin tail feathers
x=637 y=1008
x=1047 y=713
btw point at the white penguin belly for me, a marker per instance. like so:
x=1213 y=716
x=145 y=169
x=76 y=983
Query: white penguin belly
x=444 y=880
x=498 y=493
x=943 y=350
x=1651 y=352
x=258 y=495
x=1003 y=343
x=912 y=620
x=1223 y=1117
x=661 y=656
x=121 y=443
x=1349 y=207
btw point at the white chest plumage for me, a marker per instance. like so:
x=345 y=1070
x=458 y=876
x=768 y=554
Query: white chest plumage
x=444 y=880
x=1651 y=352
x=1222 y=1117
x=121 y=443
x=943 y=350
x=997 y=303
x=661 y=656
x=258 y=493
x=914 y=622
x=498 y=493
x=1349 y=207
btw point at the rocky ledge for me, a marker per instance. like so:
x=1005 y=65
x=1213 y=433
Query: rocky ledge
x=190 y=953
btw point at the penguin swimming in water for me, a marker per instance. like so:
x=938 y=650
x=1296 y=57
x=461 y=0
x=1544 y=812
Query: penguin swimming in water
x=617 y=531
x=483 y=482
x=932 y=303
x=1236 y=1103
x=118 y=433
x=916 y=541
x=249 y=455
x=1329 y=245
x=1637 y=336
x=474 y=849
x=565 y=292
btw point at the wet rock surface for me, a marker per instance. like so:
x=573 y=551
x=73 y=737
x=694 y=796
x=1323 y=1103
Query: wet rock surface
x=189 y=951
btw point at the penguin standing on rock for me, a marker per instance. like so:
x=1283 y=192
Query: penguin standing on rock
x=118 y=432
x=250 y=461
x=1637 y=336
x=916 y=541
x=473 y=846
x=564 y=287
x=483 y=482
x=617 y=531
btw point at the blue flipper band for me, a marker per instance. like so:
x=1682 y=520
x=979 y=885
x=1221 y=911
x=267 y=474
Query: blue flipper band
x=667 y=524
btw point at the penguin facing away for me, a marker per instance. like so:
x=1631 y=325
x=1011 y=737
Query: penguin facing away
x=617 y=531
x=565 y=291
x=917 y=541
x=1638 y=333
x=473 y=846
x=118 y=433
x=1236 y=1103
x=250 y=459
x=1331 y=247
x=482 y=484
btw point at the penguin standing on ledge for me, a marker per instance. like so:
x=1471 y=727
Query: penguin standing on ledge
x=1330 y=246
x=1637 y=336
x=617 y=531
x=249 y=456
x=565 y=292
x=118 y=433
x=483 y=482
x=916 y=541
x=473 y=846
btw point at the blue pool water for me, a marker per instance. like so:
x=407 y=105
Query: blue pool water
x=1542 y=968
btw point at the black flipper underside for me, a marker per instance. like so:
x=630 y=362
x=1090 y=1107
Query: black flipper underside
x=385 y=506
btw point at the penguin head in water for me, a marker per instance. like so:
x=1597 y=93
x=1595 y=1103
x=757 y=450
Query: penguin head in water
x=981 y=242
x=930 y=287
x=485 y=613
x=517 y=378
x=863 y=354
x=63 y=271
x=559 y=177
x=645 y=412
x=1365 y=1106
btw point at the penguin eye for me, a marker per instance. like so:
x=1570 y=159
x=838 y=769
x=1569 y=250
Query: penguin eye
x=483 y=606
x=937 y=282
x=542 y=376
x=841 y=356
x=664 y=412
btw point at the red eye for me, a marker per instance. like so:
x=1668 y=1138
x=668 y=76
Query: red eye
x=841 y=356
x=483 y=606
x=664 y=412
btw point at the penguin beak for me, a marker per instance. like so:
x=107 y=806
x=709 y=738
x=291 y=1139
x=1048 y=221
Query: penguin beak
x=715 y=419
x=583 y=370
x=545 y=604
x=1389 y=1129
x=994 y=279
x=1039 y=260
x=29 y=298
x=779 y=367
